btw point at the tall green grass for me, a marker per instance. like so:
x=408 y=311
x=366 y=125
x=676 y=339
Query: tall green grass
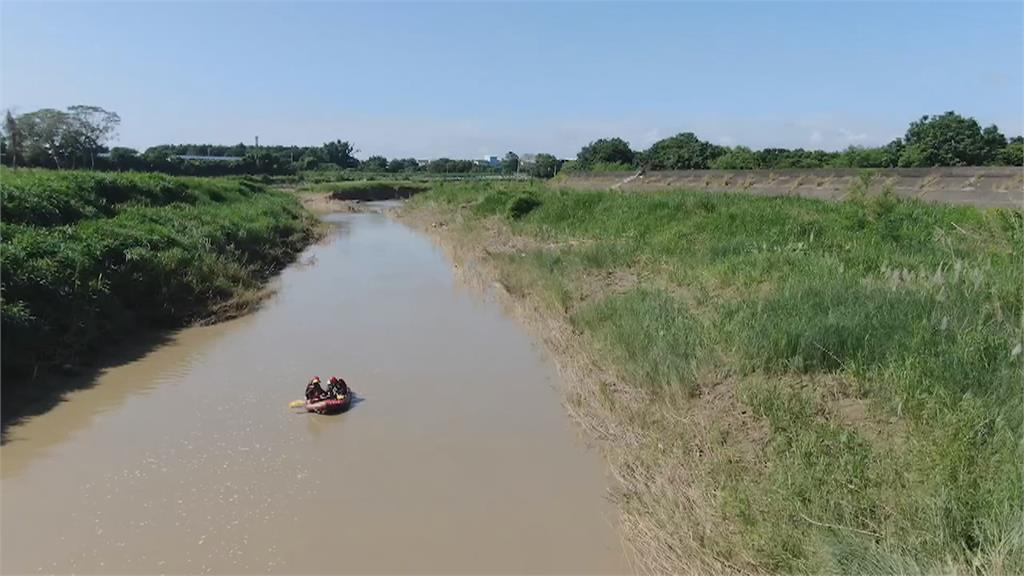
x=88 y=257
x=911 y=310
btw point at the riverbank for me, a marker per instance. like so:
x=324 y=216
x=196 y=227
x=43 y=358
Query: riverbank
x=91 y=259
x=781 y=384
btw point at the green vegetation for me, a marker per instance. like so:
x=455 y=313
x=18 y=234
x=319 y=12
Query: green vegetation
x=91 y=257
x=78 y=137
x=794 y=385
x=945 y=140
x=57 y=138
x=605 y=151
x=951 y=140
x=681 y=152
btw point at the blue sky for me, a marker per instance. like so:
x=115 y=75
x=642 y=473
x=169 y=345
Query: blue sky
x=469 y=79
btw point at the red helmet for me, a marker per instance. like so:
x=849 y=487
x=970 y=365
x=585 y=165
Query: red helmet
x=314 y=379
x=333 y=380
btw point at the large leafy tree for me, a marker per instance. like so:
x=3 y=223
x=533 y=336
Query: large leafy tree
x=403 y=165
x=682 y=152
x=92 y=127
x=46 y=138
x=125 y=159
x=60 y=139
x=375 y=164
x=739 y=158
x=946 y=140
x=605 y=151
x=1013 y=154
x=544 y=166
x=510 y=163
x=340 y=153
x=994 y=142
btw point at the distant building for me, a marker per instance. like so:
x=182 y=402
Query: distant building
x=492 y=161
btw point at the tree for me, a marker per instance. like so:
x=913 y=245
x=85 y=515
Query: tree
x=861 y=157
x=308 y=161
x=994 y=143
x=375 y=164
x=739 y=158
x=544 y=166
x=510 y=164
x=605 y=151
x=12 y=138
x=439 y=166
x=945 y=140
x=682 y=152
x=46 y=138
x=1013 y=153
x=125 y=159
x=403 y=165
x=239 y=149
x=92 y=127
x=892 y=152
x=60 y=139
x=340 y=153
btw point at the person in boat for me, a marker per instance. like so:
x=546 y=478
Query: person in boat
x=314 y=392
x=336 y=387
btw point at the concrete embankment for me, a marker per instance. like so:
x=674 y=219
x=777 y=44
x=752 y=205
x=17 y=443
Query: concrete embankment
x=985 y=187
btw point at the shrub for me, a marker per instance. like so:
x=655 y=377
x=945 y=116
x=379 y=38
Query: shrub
x=521 y=205
x=88 y=257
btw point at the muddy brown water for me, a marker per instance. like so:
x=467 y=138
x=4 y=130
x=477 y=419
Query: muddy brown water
x=457 y=458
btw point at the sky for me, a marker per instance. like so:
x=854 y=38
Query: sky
x=467 y=80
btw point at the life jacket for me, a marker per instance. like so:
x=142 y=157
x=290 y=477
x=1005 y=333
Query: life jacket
x=337 y=388
x=314 y=391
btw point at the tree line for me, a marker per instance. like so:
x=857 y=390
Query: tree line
x=945 y=140
x=79 y=137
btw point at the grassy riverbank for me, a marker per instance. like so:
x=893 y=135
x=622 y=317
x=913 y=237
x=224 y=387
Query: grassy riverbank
x=785 y=384
x=89 y=258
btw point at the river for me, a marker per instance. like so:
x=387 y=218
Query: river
x=456 y=458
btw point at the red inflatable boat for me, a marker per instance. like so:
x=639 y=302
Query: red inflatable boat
x=330 y=405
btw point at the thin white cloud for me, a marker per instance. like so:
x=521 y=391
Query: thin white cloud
x=852 y=137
